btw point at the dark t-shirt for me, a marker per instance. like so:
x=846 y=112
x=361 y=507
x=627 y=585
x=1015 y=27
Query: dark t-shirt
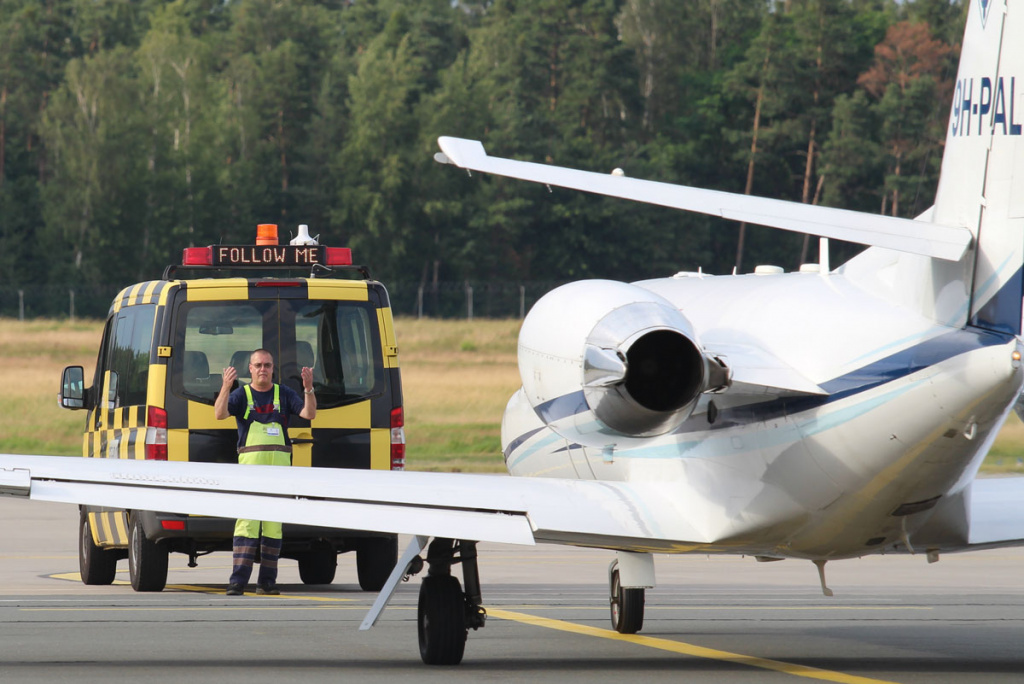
x=291 y=405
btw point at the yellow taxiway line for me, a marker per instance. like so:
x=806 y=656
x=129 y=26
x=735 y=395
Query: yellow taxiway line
x=686 y=649
x=669 y=645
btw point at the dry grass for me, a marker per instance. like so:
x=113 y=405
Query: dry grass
x=457 y=376
x=32 y=357
x=1007 y=454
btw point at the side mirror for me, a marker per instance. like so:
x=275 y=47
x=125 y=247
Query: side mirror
x=72 y=388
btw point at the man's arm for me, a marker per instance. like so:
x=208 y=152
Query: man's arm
x=220 y=407
x=309 y=406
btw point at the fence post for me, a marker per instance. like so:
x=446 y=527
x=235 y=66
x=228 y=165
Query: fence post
x=72 y=293
x=21 y=305
x=469 y=301
x=419 y=302
x=522 y=302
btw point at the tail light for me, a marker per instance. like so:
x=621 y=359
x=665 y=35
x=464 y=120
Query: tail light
x=156 y=434
x=398 y=439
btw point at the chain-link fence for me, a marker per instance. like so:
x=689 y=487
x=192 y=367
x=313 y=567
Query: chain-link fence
x=466 y=299
x=56 y=301
x=443 y=300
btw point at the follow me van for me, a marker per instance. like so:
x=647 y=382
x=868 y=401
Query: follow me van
x=159 y=370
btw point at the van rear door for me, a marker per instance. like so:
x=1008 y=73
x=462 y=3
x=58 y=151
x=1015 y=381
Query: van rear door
x=339 y=338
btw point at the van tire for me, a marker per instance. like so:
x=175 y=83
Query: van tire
x=96 y=565
x=319 y=564
x=376 y=557
x=147 y=560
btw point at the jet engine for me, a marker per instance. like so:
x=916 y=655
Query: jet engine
x=617 y=350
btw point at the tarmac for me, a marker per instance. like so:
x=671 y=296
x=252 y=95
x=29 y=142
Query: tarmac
x=710 y=619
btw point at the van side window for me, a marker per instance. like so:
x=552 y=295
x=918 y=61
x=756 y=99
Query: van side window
x=128 y=359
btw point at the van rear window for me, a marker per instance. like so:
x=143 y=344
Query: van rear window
x=339 y=340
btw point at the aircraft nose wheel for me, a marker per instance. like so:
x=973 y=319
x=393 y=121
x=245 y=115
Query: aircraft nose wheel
x=627 y=604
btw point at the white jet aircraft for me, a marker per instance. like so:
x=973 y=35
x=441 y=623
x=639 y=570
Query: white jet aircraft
x=820 y=415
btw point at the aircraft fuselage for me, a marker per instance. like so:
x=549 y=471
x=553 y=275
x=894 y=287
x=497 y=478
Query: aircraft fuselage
x=906 y=412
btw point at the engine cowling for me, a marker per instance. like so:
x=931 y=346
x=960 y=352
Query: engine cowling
x=617 y=350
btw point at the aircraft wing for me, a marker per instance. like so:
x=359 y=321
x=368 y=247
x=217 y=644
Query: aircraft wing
x=996 y=506
x=988 y=513
x=493 y=508
x=904 y=235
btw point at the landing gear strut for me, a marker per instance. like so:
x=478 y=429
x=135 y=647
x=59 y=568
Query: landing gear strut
x=446 y=612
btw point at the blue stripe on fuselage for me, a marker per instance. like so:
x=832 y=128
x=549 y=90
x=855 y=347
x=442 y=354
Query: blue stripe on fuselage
x=1003 y=311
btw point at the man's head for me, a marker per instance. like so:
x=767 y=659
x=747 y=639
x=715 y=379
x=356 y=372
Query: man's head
x=261 y=368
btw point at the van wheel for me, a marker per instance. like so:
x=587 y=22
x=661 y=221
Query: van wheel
x=319 y=564
x=96 y=565
x=375 y=559
x=147 y=560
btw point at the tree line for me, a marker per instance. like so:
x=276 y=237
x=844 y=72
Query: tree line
x=132 y=128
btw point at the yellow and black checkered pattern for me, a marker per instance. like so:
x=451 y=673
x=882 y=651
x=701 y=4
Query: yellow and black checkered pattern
x=350 y=436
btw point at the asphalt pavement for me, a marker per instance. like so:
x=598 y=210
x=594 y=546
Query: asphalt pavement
x=720 y=619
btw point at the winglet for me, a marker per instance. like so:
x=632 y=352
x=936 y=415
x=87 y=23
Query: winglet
x=466 y=154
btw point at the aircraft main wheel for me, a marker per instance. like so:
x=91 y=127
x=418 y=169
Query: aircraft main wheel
x=96 y=565
x=627 y=606
x=375 y=559
x=318 y=565
x=441 y=620
x=147 y=560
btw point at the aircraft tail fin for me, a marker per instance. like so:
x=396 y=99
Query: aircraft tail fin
x=981 y=190
x=982 y=180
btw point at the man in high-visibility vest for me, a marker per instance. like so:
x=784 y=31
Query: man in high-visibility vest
x=261 y=410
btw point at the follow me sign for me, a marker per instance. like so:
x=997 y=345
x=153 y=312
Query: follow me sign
x=267 y=255
x=984 y=100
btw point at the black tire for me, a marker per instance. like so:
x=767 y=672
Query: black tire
x=375 y=559
x=96 y=565
x=147 y=560
x=441 y=620
x=319 y=564
x=627 y=607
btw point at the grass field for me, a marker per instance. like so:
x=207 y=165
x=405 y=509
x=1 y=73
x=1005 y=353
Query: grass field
x=457 y=376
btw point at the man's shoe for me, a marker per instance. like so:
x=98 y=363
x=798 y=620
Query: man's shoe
x=235 y=590
x=269 y=590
